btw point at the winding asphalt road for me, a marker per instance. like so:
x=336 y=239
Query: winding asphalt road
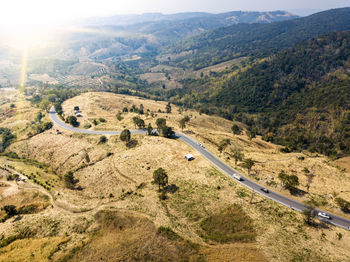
x=295 y=205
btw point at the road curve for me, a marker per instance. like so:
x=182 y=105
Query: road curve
x=291 y=203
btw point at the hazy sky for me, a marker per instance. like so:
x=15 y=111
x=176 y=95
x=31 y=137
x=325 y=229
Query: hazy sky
x=29 y=12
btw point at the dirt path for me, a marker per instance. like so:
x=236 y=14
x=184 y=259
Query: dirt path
x=27 y=185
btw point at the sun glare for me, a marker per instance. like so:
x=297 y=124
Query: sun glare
x=27 y=37
x=27 y=24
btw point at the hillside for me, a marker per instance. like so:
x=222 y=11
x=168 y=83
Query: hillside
x=255 y=40
x=114 y=211
x=287 y=93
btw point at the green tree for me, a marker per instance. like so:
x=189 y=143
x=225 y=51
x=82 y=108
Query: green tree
x=236 y=129
x=168 y=108
x=39 y=116
x=167 y=132
x=182 y=124
x=125 y=135
x=141 y=111
x=72 y=120
x=141 y=123
x=160 y=122
x=160 y=178
x=135 y=120
x=289 y=182
x=248 y=163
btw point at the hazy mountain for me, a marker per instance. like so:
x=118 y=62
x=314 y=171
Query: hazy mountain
x=230 y=17
x=305 y=12
x=126 y=35
x=226 y=43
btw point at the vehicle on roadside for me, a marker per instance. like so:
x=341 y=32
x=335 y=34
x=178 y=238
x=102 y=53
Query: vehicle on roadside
x=265 y=190
x=189 y=157
x=237 y=177
x=200 y=145
x=323 y=215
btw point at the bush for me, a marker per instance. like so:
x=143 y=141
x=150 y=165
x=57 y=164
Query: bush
x=163 y=196
x=343 y=204
x=72 y=120
x=12 y=154
x=103 y=139
x=69 y=180
x=10 y=210
x=236 y=129
x=119 y=117
x=125 y=135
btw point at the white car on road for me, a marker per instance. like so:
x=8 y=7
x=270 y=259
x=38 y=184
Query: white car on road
x=323 y=215
x=200 y=145
x=238 y=177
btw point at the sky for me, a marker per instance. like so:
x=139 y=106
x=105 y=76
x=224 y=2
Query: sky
x=22 y=13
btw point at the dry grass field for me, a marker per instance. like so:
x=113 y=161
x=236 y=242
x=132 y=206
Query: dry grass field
x=115 y=213
x=329 y=180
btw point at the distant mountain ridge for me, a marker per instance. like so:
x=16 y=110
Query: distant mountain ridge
x=233 y=17
x=144 y=34
x=239 y=40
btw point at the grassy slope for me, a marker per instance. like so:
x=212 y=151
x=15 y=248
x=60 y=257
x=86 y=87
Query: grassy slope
x=197 y=198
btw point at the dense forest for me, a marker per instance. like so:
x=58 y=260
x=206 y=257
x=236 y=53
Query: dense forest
x=254 y=40
x=299 y=97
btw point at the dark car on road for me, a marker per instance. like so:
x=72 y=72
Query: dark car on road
x=264 y=190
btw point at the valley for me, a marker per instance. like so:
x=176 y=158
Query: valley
x=120 y=138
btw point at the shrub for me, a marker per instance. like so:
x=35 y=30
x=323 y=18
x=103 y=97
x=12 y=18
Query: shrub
x=236 y=129
x=12 y=154
x=119 y=117
x=343 y=204
x=10 y=210
x=72 y=120
x=125 y=135
x=69 y=180
x=103 y=139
